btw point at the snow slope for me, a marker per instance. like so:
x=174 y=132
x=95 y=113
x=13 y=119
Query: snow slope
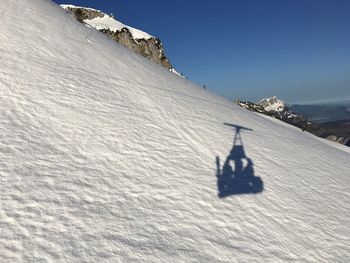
x=114 y=160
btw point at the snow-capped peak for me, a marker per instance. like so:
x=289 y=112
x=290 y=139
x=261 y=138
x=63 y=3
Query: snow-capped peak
x=272 y=104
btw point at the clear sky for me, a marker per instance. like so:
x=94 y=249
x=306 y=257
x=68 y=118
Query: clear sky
x=298 y=50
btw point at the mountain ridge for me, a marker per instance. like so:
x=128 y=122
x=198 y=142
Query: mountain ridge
x=336 y=131
x=140 y=42
x=276 y=108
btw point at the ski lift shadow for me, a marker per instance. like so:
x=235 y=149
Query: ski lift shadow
x=237 y=174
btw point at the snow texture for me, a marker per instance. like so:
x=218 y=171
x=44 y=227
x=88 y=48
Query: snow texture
x=107 y=157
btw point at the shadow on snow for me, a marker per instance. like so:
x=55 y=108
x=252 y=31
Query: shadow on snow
x=237 y=174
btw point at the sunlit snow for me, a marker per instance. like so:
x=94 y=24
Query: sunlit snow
x=108 y=157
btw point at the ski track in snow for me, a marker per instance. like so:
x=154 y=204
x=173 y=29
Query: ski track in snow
x=107 y=157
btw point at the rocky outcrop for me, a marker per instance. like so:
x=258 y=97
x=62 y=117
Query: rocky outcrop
x=150 y=48
x=82 y=14
x=146 y=45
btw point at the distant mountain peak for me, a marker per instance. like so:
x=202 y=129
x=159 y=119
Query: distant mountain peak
x=276 y=108
x=335 y=131
x=272 y=104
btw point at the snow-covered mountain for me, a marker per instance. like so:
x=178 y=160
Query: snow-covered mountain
x=132 y=38
x=107 y=157
x=277 y=108
x=274 y=107
x=272 y=104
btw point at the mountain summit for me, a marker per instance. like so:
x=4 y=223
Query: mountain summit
x=272 y=104
x=108 y=157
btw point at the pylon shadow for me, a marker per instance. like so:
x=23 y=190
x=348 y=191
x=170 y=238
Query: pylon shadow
x=237 y=174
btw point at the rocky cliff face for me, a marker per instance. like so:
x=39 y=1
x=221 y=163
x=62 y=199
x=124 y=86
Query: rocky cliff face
x=151 y=48
x=134 y=39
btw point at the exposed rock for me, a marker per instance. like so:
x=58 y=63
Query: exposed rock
x=82 y=14
x=150 y=48
x=144 y=44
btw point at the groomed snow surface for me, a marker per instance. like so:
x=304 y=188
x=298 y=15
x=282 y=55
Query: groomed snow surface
x=107 y=157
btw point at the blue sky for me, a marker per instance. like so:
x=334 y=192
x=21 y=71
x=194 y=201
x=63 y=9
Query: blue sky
x=298 y=50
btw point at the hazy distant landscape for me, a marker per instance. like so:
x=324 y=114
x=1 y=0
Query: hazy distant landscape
x=324 y=111
x=332 y=119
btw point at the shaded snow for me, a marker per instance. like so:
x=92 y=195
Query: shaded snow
x=106 y=157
